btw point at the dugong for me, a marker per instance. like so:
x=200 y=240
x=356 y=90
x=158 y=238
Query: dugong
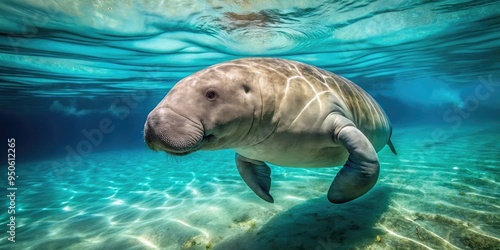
x=277 y=111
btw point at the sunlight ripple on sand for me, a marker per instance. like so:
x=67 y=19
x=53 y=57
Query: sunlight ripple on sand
x=421 y=201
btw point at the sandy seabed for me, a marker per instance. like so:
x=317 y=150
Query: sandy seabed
x=441 y=191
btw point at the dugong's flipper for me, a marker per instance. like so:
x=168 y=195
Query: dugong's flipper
x=257 y=176
x=360 y=172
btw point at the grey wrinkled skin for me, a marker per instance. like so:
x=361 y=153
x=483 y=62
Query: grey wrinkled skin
x=276 y=111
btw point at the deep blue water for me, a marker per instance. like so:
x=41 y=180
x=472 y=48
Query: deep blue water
x=77 y=80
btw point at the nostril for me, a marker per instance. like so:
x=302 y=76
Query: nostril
x=171 y=132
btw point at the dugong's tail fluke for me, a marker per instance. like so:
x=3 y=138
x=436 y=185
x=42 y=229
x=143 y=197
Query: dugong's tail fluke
x=393 y=149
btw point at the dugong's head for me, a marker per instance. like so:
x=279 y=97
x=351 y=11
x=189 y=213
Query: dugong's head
x=211 y=109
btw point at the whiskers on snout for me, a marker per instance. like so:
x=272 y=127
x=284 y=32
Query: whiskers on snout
x=173 y=160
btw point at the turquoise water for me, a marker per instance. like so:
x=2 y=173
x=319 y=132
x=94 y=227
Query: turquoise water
x=427 y=197
x=77 y=80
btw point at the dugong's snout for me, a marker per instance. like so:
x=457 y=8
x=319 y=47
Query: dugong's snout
x=169 y=131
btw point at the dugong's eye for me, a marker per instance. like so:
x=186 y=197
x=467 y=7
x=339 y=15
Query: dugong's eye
x=211 y=94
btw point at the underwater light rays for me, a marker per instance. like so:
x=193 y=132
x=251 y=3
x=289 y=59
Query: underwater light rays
x=403 y=237
x=203 y=231
x=146 y=242
x=223 y=201
x=367 y=39
x=447 y=243
x=419 y=227
x=474 y=230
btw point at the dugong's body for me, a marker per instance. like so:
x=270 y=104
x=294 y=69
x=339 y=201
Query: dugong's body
x=277 y=111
